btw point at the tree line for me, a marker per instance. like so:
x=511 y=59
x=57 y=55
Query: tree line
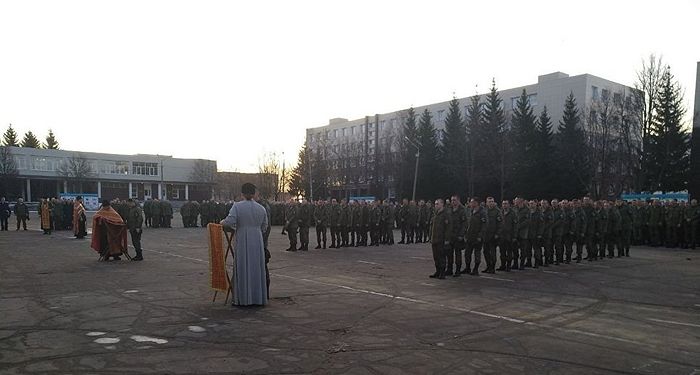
x=10 y=138
x=629 y=141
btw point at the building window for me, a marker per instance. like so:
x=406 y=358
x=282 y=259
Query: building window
x=335 y=133
x=352 y=130
x=594 y=92
x=145 y=169
x=382 y=124
x=605 y=94
x=532 y=99
x=617 y=98
x=344 y=132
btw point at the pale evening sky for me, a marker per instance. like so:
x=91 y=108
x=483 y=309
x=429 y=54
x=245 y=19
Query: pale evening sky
x=229 y=80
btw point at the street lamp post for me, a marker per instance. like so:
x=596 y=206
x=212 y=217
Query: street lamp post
x=415 y=173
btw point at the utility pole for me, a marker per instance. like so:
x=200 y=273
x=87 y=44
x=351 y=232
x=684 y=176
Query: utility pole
x=415 y=173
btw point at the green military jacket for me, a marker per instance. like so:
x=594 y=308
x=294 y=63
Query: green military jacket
x=334 y=215
x=292 y=218
x=476 y=225
x=494 y=222
x=134 y=218
x=580 y=223
x=441 y=230
x=510 y=224
x=321 y=215
x=458 y=218
x=304 y=215
x=559 y=222
x=523 y=222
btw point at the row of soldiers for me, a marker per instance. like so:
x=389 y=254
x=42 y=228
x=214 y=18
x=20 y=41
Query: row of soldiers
x=540 y=233
x=351 y=223
x=157 y=213
x=207 y=211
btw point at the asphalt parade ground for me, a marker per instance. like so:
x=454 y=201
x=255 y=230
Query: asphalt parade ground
x=366 y=310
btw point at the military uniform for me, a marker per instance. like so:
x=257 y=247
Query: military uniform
x=321 y=219
x=304 y=224
x=134 y=221
x=388 y=224
x=453 y=252
x=569 y=233
x=673 y=225
x=494 y=222
x=155 y=213
x=655 y=224
x=344 y=224
x=22 y=213
x=355 y=222
x=375 y=222
x=579 y=232
x=523 y=224
x=614 y=230
x=591 y=216
x=411 y=222
x=440 y=235
x=602 y=227
x=476 y=230
x=547 y=243
x=292 y=224
x=559 y=223
x=508 y=238
x=422 y=224
x=334 y=222
x=627 y=224
x=403 y=224
x=534 y=234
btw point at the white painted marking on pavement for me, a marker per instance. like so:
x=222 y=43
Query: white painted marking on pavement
x=496 y=278
x=420 y=258
x=366 y=262
x=697 y=305
x=176 y=255
x=426 y=284
x=107 y=340
x=197 y=329
x=371 y=292
x=674 y=322
x=554 y=272
x=95 y=333
x=139 y=338
x=592 y=265
x=131 y=291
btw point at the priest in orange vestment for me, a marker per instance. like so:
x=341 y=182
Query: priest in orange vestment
x=109 y=236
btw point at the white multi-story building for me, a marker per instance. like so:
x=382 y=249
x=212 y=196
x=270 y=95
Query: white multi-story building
x=371 y=136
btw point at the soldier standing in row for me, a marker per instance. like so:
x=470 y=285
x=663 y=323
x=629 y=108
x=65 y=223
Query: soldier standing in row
x=304 y=224
x=355 y=216
x=494 y=221
x=321 y=219
x=534 y=233
x=388 y=223
x=440 y=235
x=134 y=221
x=523 y=224
x=458 y=221
x=292 y=224
x=508 y=238
x=547 y=224
x=476 y=229
x=333 y=221
x=22 y=213
x=559 y=223
x=627 y=224
x=579 y=229
x=403 y=224
x=344 y=223
x=375 y=218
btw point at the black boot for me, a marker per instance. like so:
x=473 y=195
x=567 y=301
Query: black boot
x=475 y=271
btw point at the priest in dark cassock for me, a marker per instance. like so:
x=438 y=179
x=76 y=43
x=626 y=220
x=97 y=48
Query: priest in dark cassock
x=79 y=218
x=109 y=236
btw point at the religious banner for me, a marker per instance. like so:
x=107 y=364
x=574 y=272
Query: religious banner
x=217 y=258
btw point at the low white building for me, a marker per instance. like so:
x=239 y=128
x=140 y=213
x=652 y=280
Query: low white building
x=51 y=173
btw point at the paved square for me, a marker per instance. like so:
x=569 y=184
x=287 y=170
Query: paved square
x=353 y=310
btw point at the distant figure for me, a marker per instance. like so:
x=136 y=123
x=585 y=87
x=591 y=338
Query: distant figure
x=45 y=212
x=249 y=221
x=22 y=213
x=4 y=213
x=108 y=233
x=134 y=222
x=79 y=219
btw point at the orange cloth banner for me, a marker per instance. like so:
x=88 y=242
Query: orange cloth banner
x=217 y=260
